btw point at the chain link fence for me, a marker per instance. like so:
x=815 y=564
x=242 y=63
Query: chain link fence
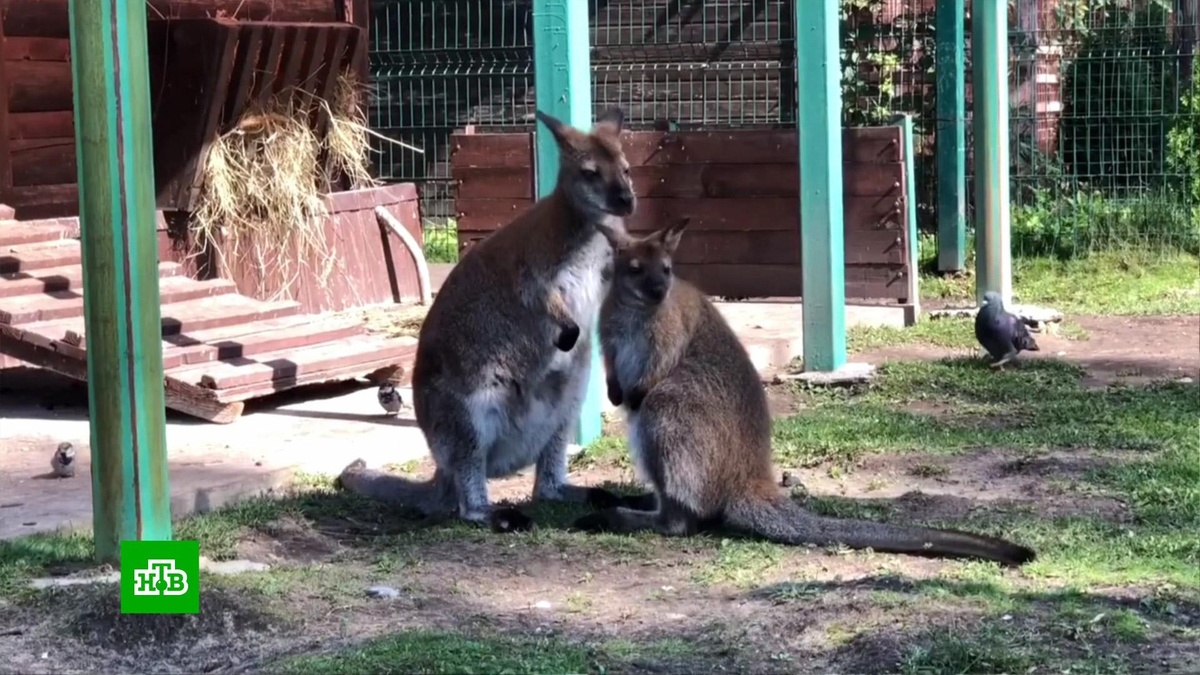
x=1105 y=101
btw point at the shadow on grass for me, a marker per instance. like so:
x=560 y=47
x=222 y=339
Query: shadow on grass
x=956 y=404
x=985 y=627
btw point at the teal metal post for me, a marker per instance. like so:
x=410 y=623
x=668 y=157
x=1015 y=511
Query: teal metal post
x=822 y=229
x=562 y=78
x=130 y=496
x=989 y=81
x=951 y=135
x=905 y=122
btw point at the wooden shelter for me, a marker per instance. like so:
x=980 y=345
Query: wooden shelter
x=225 y=340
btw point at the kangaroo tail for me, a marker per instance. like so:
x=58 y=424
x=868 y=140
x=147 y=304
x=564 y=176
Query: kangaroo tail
x=776 y=517
x=428 y=497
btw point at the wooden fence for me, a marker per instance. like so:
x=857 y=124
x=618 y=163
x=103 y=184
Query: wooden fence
x=740 y=189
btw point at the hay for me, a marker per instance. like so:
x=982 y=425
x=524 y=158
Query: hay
x=264 y=181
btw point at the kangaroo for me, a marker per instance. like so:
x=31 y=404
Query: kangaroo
x=492 y=394
x=699 y=427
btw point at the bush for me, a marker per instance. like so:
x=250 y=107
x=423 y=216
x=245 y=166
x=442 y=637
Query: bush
x=1070 y=226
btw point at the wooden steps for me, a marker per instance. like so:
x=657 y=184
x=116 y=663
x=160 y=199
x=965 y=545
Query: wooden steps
x=69 y=278
x=219 y=348
x=40 y=255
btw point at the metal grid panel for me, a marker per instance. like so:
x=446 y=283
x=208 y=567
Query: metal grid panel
x=1101 y=155
x=437 y=66
x=1098 y=90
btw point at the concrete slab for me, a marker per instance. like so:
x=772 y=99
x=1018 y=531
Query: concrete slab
x=772 y=330
x=210 y=465
x=850 y=373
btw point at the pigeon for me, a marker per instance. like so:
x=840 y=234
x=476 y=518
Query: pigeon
x=63 y=461
x=390 y=399
x=1001 y=333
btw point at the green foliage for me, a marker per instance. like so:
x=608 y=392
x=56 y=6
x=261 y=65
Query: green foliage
x=1183 y=143
x=1067 y=226
x=875 y=57
x=1118 y=95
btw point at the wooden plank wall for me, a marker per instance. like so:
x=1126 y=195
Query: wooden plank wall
x=371 y=265
x=740 y=189
x=37 y=142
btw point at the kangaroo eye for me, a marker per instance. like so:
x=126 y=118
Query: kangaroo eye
x=625 y=171
x=590 y=174
x=635 y=268
x=667 y=269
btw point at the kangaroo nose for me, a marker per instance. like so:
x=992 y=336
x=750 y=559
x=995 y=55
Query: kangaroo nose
x=623 y=201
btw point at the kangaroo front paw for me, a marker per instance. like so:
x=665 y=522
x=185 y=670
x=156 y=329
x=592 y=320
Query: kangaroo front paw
x=592 y=522
x=614 y=392
x=634 y=400
x=505 y=519
x=568 y=336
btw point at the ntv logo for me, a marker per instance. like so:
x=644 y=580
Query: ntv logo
x=160 y=577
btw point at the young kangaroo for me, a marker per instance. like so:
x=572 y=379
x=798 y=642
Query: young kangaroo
x=492 y=392
x=699 y=428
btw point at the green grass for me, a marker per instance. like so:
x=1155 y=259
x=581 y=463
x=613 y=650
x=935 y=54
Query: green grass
x=430 y=652
x=959 y=404
x=1100 y=284
x=441 y=241
x=949 y=333
x=451 y=653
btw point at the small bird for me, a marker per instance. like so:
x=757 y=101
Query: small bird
x=1001 y=333
x=390 y=399
x=63 y=461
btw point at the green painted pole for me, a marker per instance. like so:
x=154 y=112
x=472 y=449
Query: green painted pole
x=822 y=228
x=130 y=496
x=951 y=134
x=989 y=78
x=905 y=122
x=562 y=79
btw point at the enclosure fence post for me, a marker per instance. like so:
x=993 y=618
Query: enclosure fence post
x=822 y=229
x=122 y=318
x=989 y=84
x=951 y=135
x=562 y=79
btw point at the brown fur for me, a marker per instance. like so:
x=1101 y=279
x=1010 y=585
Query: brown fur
x=493 y=390
x=699 y=426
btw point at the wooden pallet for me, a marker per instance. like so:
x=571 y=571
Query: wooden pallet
x=219 y=348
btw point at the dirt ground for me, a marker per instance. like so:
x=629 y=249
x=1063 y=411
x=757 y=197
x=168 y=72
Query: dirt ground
x=705 y=605
x=1133 y=350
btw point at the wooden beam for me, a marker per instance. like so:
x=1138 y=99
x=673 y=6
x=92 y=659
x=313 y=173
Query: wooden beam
x=131 y=499
x=821 y=202
x=951 y=134
x=562 y=81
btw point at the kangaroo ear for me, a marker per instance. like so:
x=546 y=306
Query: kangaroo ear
x=611 y=122
x=670 y=237
x=557 y=127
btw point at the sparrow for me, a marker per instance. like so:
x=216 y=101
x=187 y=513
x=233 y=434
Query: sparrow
x=390 y=399
x=63 y=461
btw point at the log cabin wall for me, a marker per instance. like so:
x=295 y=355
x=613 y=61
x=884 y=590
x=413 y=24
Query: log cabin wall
x=37 y=137
x=740 y=189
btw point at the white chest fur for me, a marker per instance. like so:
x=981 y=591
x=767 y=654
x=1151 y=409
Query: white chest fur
x=581 y=282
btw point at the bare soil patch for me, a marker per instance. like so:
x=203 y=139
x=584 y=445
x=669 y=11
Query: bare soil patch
x=1130 y=350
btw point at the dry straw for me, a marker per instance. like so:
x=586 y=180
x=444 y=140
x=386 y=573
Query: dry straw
x=265 y=180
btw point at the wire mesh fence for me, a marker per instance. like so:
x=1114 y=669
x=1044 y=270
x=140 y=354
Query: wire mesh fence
x=1105 y=103
x=436 y=66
